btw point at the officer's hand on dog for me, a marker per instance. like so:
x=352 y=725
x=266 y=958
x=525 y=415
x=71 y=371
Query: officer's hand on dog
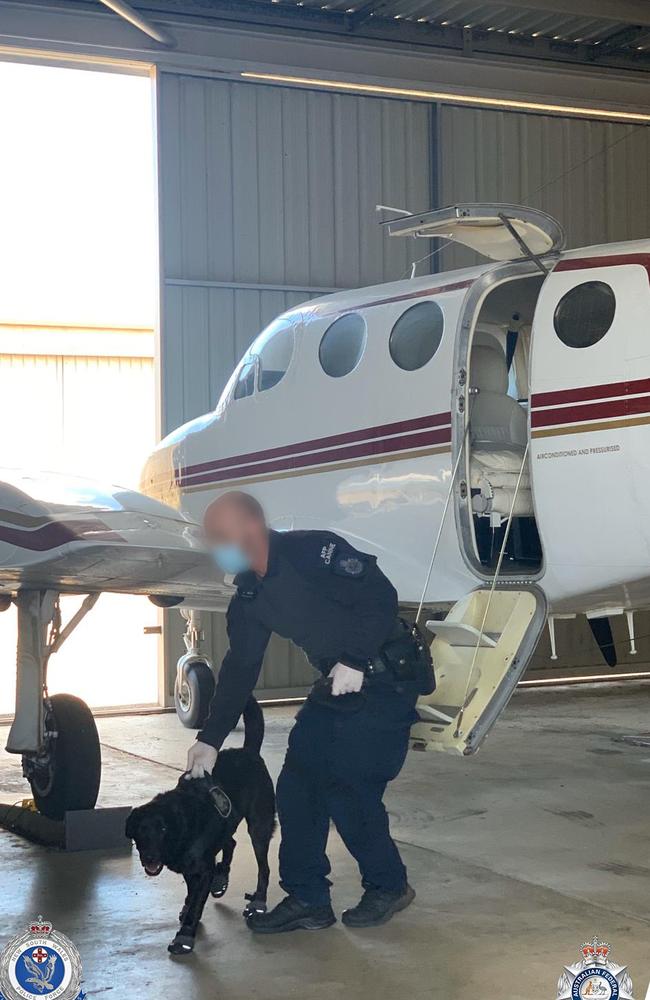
x=200 y=759
x=345 y=680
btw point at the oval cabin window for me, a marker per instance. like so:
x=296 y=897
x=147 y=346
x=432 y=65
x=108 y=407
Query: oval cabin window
x=342 y=345
x=416 y=336
x=584 y=314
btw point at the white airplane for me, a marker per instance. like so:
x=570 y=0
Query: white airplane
x=484 y=432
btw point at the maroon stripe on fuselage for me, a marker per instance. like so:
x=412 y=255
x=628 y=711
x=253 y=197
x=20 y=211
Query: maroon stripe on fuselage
x=57 y=533
x=346 y=437
x=612 y=260
x=591 y=411
x=367 y=448
x=421 y=294
x=608 y=390
x=50 y=536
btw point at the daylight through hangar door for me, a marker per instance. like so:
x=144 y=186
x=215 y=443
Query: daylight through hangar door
x=92 y=416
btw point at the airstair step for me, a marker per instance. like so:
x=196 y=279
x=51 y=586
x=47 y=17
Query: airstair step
x=462 y=634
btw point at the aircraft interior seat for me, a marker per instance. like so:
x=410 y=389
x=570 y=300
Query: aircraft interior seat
x=498 y=434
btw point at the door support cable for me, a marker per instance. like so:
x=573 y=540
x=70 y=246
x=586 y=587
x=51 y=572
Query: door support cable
x=450 y=491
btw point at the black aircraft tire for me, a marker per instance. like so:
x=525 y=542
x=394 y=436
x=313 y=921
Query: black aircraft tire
x=193 y=700
x=71 y=778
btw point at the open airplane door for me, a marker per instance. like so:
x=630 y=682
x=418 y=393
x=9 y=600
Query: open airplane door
x=498 y=232
x=479 y=652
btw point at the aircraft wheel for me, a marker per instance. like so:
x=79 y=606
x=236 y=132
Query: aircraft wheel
x=193 y=695
x=66 y=775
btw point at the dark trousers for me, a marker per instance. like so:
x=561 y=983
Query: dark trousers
x=336 y=768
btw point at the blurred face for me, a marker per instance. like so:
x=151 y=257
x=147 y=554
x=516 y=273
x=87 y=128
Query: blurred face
x=236 y=535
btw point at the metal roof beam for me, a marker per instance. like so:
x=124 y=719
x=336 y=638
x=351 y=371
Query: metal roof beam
x=427 y=36
x=142 y=23
x=372 y=8
x=383 y=29
x=631 y=11
x=435 y=37
x=644 y=39
x=618 y=40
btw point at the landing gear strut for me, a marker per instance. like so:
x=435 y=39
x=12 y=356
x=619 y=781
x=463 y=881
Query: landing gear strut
x=194 y=685
x=55 y=735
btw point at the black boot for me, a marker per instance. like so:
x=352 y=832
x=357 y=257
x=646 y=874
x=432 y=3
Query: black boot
x=377 y=907
x=292 y=915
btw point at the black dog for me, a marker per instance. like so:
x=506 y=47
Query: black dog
x=187 y=827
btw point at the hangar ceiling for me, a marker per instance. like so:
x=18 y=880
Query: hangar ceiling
x=596 y=33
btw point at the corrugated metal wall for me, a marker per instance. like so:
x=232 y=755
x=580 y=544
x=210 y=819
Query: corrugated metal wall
x=591 y=175
x=268 y=198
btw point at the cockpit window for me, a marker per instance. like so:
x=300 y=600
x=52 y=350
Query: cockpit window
x=245 y=385
x=585 y=313
x=274 y=349
x=266 y=362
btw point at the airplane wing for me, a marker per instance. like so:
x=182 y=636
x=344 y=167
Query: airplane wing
x=77 y=536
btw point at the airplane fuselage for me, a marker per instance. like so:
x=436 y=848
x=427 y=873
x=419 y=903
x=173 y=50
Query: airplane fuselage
x=371 y=453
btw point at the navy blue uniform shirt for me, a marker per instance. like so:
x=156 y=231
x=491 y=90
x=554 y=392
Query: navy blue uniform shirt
x=319 y=591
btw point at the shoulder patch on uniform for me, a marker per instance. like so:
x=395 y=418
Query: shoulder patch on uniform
x=327 y=553
x=350 y=566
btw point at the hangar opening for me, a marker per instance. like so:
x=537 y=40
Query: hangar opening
x=77 y=340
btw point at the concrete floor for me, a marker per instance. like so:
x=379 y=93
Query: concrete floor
x=517 y=855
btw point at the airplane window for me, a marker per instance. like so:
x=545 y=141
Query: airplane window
x=416 y=336
x=342 y=345
x=584 y=314
x=274 y=348
x=245 y=385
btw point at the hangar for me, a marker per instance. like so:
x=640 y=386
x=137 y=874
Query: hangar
x=285 y=140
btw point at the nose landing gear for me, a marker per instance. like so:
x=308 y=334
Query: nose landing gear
x=194 y=685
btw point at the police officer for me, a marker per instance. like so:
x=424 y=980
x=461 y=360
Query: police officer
x=351 y=736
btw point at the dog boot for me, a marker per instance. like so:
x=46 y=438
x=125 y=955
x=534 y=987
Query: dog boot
x=377 y=907
x=220 y=882
x=292 y=915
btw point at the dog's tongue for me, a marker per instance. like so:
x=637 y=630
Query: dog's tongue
x=153 y=868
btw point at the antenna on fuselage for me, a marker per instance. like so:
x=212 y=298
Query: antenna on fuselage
x=389 y=208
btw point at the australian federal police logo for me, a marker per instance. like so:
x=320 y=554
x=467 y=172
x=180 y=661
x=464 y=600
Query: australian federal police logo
x=595 y=976
x=41 y=962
